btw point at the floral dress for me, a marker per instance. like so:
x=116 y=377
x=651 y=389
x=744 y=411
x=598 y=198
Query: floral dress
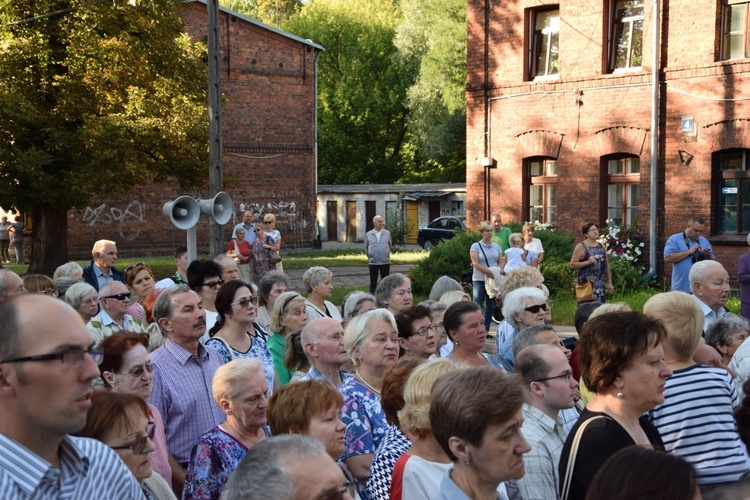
x=261 y=259
x=596 y=273
x=258 y=350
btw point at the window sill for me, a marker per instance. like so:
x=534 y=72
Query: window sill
x=734 y=240
x=547 y=78
x=633 y=69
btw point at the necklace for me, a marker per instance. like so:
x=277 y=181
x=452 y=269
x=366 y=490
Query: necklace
x=356 y=372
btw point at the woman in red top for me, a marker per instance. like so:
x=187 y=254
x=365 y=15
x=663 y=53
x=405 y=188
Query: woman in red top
x=239 y=249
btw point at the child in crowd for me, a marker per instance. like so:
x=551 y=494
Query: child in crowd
x=515 y=255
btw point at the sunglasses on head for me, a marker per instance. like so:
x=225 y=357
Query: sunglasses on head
x=118 y=296
x=135 y=266
x=535 y=309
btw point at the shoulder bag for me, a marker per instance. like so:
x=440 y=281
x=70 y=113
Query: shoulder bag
x=572 y=456
x=584 y=289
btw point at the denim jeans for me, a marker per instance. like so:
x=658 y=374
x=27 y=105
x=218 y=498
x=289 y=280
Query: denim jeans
x=479 y=295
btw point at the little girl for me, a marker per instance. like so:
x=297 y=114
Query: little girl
x=515 y=256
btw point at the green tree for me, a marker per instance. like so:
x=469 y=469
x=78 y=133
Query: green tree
x=94 y=101
x=271 y=12
x=362 y=117
x=432 y=35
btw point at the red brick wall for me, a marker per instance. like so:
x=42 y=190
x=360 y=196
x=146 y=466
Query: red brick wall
x=611 y=116
x=268 y=137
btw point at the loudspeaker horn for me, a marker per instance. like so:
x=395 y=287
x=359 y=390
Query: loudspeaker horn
x=220 y=207
x=183 y=212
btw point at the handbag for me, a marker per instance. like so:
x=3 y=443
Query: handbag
x=584 y=292
x=274 y=256
x=573 y=454
x=236 y=252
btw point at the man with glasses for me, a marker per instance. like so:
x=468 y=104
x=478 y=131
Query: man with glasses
x=11 y=285
x=114 y=301
x=204 y=278
x=550 y=387
x=323 y=342
x=102 y=269
x=46 y=367
x=182 y=377
x=684 y=249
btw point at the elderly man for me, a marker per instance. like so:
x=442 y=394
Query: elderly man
x=323 y=341
x=288 y=467
x=709 y=282
x=550 y=387
x=248 y=226
x=228 y=267
x=114 y=299
x=11 y=285
x=684 y=249
x=101 y=269
x=183 y=372
x=378 y=245
x=46 y=368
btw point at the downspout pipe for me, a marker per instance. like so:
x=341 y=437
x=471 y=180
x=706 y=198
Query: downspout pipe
x=653 y=205
x=315 y=138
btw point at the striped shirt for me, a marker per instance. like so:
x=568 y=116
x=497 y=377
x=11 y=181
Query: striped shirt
x=88 y=469
x=695 y=422
x=182 y=394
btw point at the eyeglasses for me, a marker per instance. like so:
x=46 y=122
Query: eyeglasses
x=214 y=285
x=535 y=309
x=138 y=371
x=257 y=230
x=438 y=325
x=565 y=376
x=349 y=487
x=51 y=292
x=243 y=303
x=267 y=222
x=72 y=357
x=139 y=445
x=134 y=266
x=118 y=296
x=422 y=331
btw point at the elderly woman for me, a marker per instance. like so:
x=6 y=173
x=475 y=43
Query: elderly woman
x=695 y=421
x=126 y=368
x=288 y=316
x=522 y=308
x=437 y=312
x=356 y=303
x=532 y=244
x=726 y=334
x=475 y=415
x=271 y=285
x=416 y=333
x=269 y=224
x=442 y=285
x=394 y=293
x=261 y=256
x=240 y=389
x=69 y=270
x=591 y=261
x=418 y=472
x=622 y=362
x=371 y=340
x=239 y=249
x=485 y=254
x=122 y=422
x=317 y=281
x=83 y=298
x=139 y=279
x=517 y=278
x=463 y=322
x=39 y=283
x=235 y=334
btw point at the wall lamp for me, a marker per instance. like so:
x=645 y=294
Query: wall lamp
x=685 y=157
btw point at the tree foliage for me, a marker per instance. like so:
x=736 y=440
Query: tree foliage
x=93 y=102
x=271 y=12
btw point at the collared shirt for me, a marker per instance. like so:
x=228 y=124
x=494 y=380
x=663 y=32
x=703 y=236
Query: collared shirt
x=102 y=326
x=315 y=374
x=709 y=316
x=102 y=278
x=450 y=490
x=681 y=270
x=182 y=394
x=88 y=469
x=250 y=235
x=178 y=279
x=547 y=438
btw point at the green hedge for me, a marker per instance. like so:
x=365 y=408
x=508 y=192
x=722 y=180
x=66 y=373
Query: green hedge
x=447 y=258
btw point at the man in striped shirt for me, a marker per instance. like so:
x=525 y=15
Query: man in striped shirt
x=46 y=368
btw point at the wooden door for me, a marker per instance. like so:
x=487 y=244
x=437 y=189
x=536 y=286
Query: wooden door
x=434 y=210
x=333 y=228
x=412 y=221
x=351 y=221
x=369 y=214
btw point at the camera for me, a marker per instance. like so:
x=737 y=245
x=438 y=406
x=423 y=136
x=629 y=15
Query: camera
x=701 y=254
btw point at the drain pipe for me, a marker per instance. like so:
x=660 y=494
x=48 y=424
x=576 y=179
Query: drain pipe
x=653 y=206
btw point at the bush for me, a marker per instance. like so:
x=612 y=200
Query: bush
x=558 y=276
x=447 y=258
x=627 y=277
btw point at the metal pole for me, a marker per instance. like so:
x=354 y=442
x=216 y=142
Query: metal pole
x=654 y=142
x=215 y=171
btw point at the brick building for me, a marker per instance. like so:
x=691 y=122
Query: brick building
x=269 y=133
x=559 y=95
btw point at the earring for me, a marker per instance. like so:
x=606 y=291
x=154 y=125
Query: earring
x=619 y=395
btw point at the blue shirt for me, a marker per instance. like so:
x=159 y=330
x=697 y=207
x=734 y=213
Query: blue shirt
x=88 y=469
x=315 y=374
x=250 y=235
x=681 y=269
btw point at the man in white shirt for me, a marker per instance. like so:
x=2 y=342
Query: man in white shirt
x=114 y=299
x=550 y=387
x=709 y=282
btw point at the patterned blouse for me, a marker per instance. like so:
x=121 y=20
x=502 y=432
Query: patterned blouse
x=213 y=459
x=393 y=445
x=258 y=350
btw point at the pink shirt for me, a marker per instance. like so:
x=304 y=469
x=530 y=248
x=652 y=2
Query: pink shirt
x=160 y=459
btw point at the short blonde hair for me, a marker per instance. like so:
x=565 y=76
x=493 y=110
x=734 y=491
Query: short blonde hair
x=281 y=308
x=415 y=415
x=230 y=378
x=681 y=316
x=269 y=218
x=521 y=276
x=485 y=226
x=610 y=308
x=450 y=298
x=358 y=330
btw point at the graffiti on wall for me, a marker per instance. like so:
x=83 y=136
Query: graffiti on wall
x=285 y=211
x=128 y=220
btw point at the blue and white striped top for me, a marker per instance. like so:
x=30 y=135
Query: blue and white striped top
x=88 y=469
x=695 y=422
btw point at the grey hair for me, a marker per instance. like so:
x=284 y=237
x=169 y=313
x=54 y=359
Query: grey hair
x=353 y=303
x=434 y=306
x=233 y=377
x=76 y=293
x=69 y=270
x=99 y=246
x=528 y=337
x=222 y=257
x=699 y=272
x=261 y=475
x=163 y=304
x=315 y=276
x=515 y=302
x=442 y=285
x=720 y=331
x=4 y=282
x=9 y=328
x=63 y=284
x=358 y=330
x=266 y=285
x=387 y=285
x=281 y=309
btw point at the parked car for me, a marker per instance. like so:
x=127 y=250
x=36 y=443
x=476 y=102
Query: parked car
x=442 y=228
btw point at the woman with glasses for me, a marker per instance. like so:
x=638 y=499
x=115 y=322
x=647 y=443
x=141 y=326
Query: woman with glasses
x=289 y=316
x=140 y=281
x=591 y=261
x=240 y=389
x=126 y=368
x=235 y=334
x=465 y=326
x=416 y=333
x=485 y=254
x=122 y=422
x=523 y=307
x=261 y=253
x=83 y=298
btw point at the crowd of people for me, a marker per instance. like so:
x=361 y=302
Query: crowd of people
x=222 y=382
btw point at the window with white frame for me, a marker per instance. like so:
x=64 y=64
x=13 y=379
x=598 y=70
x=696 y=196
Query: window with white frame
x=541 y=190
x=731 y=191
x=623 y=178
x=735 y=43
x=626 y=34
x=544 y=42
